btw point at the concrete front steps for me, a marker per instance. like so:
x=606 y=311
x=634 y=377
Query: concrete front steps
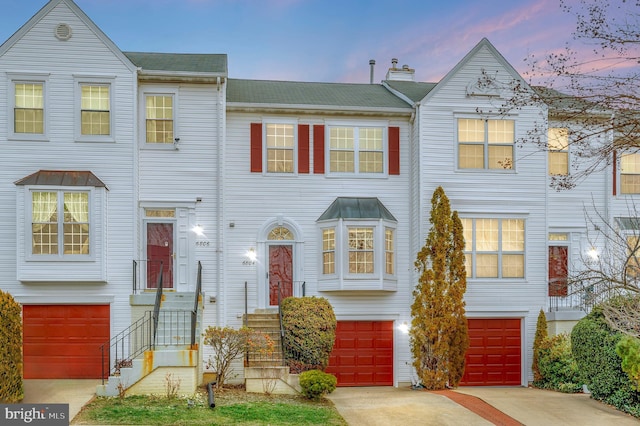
x=173 y=358
x=268 y=374
x=152 y=373
x=271 y=380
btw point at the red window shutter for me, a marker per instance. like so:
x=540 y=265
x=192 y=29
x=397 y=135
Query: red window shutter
x=318 y=149
x=256 y=147
x=394 y=150
x=558 y=267
x=303 y=148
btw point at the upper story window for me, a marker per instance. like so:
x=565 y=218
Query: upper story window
x=494 y=248
x=159 y=119
x=60 y=222
x=95 y=110
x=28 y=112
x=280 y=147
x=630 y=173
x=486 y=144
x=357 y=150
x=558 y=143
x=27 y=107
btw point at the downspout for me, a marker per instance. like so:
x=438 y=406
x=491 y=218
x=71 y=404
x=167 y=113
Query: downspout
x=220 y=145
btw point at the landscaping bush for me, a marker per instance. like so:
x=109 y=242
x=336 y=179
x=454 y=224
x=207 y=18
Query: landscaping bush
x=228 y=344
x=310 y=330
x=594 y=349
x=628 y=348
x=557 y=368
x=316 y=383
x=541 y=334
x=11 y=389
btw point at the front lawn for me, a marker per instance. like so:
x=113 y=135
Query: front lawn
x=233 y=407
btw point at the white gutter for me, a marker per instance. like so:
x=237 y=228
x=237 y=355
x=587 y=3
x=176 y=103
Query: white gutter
x=221 y=307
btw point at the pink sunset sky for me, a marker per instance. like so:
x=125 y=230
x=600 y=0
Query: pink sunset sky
x=326 y=40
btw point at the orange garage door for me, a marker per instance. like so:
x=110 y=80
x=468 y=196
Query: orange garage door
x=63 y=341
x=363 y=353
x=493 y=358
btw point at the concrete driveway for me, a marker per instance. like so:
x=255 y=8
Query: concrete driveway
x=75 y=392
x=403 y=407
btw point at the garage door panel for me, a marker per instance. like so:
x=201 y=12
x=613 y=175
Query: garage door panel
x=367 y=358
x=63 y=341
x=494 y=354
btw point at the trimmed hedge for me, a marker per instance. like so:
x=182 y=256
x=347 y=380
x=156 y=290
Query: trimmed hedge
x=11 y=389
x=310 y=326
x=594 y=348
x=316 y=383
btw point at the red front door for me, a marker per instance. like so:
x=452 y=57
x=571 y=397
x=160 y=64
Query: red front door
x=280 y=273
x=159 y=252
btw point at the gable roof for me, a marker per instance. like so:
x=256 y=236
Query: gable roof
x=307 y=95
x=482 y=44
x=357 y=208
x=46 y=9
x=180 y=63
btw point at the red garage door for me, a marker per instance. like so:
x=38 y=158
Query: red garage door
x=363 y=353
x=63 y=341
x=493 y=358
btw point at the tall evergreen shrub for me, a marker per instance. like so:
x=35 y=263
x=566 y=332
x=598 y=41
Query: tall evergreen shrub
x=439 y=332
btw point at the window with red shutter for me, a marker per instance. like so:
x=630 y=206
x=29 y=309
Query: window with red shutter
x=256 y=147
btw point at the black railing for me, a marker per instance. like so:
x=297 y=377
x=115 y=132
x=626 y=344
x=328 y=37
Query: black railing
x=196 y=304
x=156 y=306
x=140 y=337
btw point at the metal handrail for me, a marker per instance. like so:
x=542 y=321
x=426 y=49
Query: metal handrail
x=281 y=323
x=196 y=303
x=156 y=306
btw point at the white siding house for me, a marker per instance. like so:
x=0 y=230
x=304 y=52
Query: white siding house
x=119 y=165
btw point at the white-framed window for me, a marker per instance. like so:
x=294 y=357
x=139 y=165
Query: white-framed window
x=159 y=118
x=357 y=149
x=558 y=144
x=494 y=248
x=486 y=143
x=280 y=141
x=60 y=222
x=94 y=106
x=28 y=114
x=630 y=173
x=354 y=249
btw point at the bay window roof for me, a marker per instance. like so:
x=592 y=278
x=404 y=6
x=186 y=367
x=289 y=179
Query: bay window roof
x=357 y=208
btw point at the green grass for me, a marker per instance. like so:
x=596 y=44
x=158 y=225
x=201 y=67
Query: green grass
x=233 y=407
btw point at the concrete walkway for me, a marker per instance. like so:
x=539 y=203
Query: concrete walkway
x=388 y=406
x=534 y=407
x=403 y=407
x=75 y=392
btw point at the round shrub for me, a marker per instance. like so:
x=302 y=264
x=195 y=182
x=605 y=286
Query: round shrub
x=316 y=383
x=310 y=332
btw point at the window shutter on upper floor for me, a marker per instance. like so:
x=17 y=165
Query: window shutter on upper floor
x=615 y=172
x=256 y=147
x=303 y=148
x=318 y=149
x=394 y=150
